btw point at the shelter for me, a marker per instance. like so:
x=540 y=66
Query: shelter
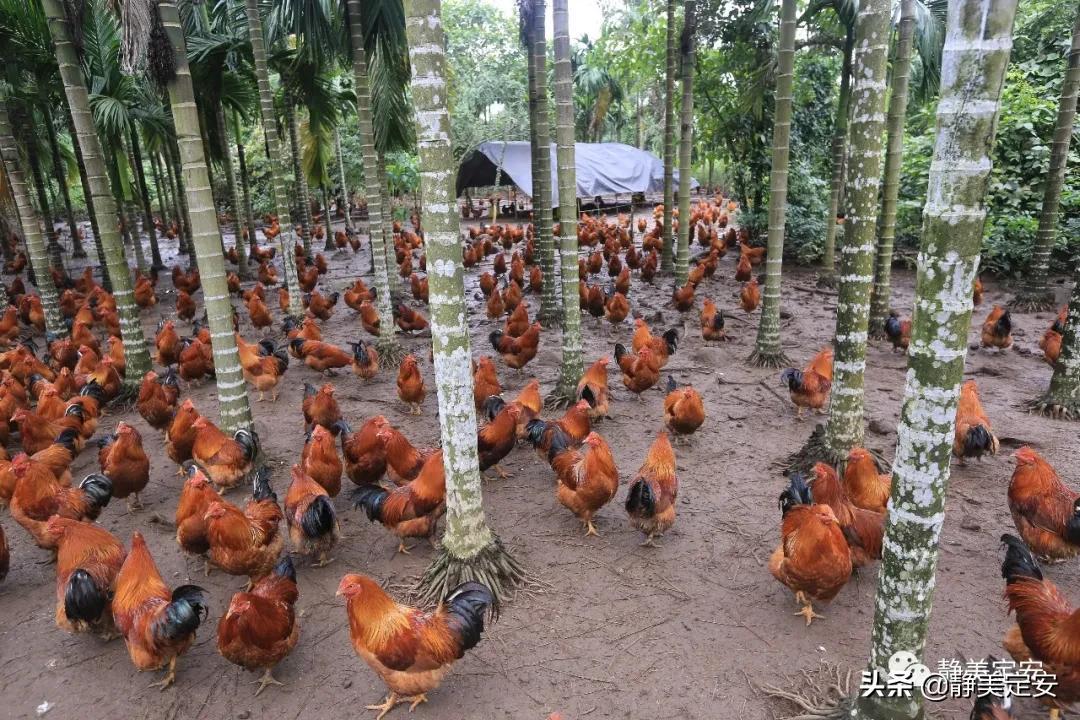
x=602 y=169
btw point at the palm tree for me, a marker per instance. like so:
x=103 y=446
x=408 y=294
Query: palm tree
x=273 y=149
x=235 y=197
x=245 y=185
x=844 y=429
x=572 y=367
x=470 y=551
x=1035 y=294
x=303 y=194
x=686 y=140
x=894 y=150
x=979 y=40
x=1062 y=399
x=144 y=194
x=31 y=227
x=767 y=350
x=666 y=260
x=135 y=349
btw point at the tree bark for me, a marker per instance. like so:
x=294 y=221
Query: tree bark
x=245 y=185
x=159 y=190
x=572 y=366
x=299 y=178
x=1062 y=399
x=232 y=390
x=176 y=165
x=135 y=349
x=344 y=187
x=549 y=304
x=839 y=165
x=767 y=350
x=56 y=258
x=467 y=540
x=144 y=193
x=894 y=152
x=84 y=180
x=243 y=271
x=1035 y=294
x=287 y=238
x=666 y=256
x=686 y=142
x=31 y=228
x=978 y=41
x=133 y=214
x=61 y=182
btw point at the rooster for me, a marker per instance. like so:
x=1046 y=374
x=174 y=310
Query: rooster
x=810 y=388
x=412 y=510
x=654 y=490
x=88 y=559
x=312 y=520
x=226 y=460
x=1046 y=512
x=997 y=329
x=973 y=437
x=592 y=388
x=248 y=542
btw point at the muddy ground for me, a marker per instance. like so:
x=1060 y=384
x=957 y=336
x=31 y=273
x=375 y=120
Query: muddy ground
x=607 y=629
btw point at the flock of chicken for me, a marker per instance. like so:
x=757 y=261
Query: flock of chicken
x=831 y=523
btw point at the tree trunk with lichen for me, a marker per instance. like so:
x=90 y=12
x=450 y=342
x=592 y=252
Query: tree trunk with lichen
x=245 y=185
x=144 y=195
x=572 y=367
x=978 y=40
x=243 y=271
x=344 y=188
x=827 y=274
x=303 y=193
x=1062 y=398
x=470 y=551
x=389 y=350
x=287 y=237
x=666 y=256
x=136 y=352
x=31 y=228
x=894 y=152
x=85 y=182
x=52 y=242
x=767 y=350
x=686 y=142
x=542 y=218
x=1035 y=295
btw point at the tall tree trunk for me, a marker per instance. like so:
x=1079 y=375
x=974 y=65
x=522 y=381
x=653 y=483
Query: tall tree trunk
x=84 y=180
x=1035 y=295
x=144 y=194
x=844 y=429
x=1062 y=398
x=686 y=142
x=133 y=214
x=135 y=349
x=232 y=390
x=666 y=257
x=827 y=276
x=344 y=187
x=159 y=191
x=176 y=166
x=168 y=172
x=571 y=369
x=56 y=258
x=894 y=151
x=549 y=303
x=287 y=237
x=245 y=185
x=243 y=270
x=470 y=551
x=61 y=182
x=389 y=350
x=31 y=228
x=768 y=351
x=328 y=221
x=978 y=40
x=302 y=192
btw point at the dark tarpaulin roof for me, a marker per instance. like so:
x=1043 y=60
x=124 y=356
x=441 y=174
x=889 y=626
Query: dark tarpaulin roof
x=602 y=169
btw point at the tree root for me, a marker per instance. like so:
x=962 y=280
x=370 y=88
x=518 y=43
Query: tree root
x=1049 y=406
x=826 y=279
x=564 y=395
x=814 y=451
x=1027 y=302
x=825 y=693
x=390 y=351
x=774 y=360
x=493 y=566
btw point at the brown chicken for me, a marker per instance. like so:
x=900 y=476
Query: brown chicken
x=639 y=372
x=518 y=323
x=495 y=306
x=363 y=453
x=1046 y=512
x=144 y=293
x=863 y=529
x=225 y=460
x=88 y=559
x=365 y=364
x=592 y=388
x=123 y=460
x=662 y=346
x=39 y=495
x=412 y=510
x=516 y=352
x=898 y=331
x=263 y=364
x=997 y=329
x=167 y=343
x=195 y=499
x=410 y=384
x=750 y=296
x=977 y=292
x=185 y=306
x=320 y=407
x=196 y=359
x=158 y=626
x=409 y=320
x=37 y=433
x=973 y=437
x=683 y=298
x=485 y=381
x=616 y=308
x=320 y=356
x=320 y=460
x=495 y=440
x=369 y=318
x=568 y=431
x=409 y=649
x=249 y=542
x=684 y=411
x=261 y=627
x=321 y=306
x=311 y=518
x=813 y=558
x=355 y=295
x=653 y=491
x=258 y=313
x=587 y=476
x=531 y=404
x=862 y=483
x=712 y=322
x=180 y=435
x=744 y=270
x=810 y=388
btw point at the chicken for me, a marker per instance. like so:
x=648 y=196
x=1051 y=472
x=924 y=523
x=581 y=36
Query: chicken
x=158 y=626
x=516 y=352
x=1050 y=344
x=225 y=460
x=410 y=650
x=37 y=433
x=144 y=293
x=124 y=462
x=196 y=359
x=898 y=331
x=258 y=313
x=592 y=388
x=594 y=301
x=320 y=407
x=88 y=559
x=616 y=308
x=750 y=296
x=756 y=255
x=409 y=320
x=812 y=559
x=369 y=318
x=530 y=403
x=574 y=425
x=495 y=440
x=412 y=510
x=654 y=490
x=180 y=435
x=263 y=365
x=639 y=372
x=355 y=295
x=863 y=529
x=195 y=499
x=810 y=388
x=321 y=306
x=977 y=291
x=310 y=516
x=684 y=411
x=587 y=476
x=662 y=347
x=1046 y=512
x=1045 y=629
x=997 y=329
x=363 y=453
x=320 y=356
x=743 y=270
x=365 y=364
x=249 y=542
x=167 y=343
x=973 y=437
x=495 y=306
x=261 y=627
x=518 y=323
x=712 y=322
x=862 y=483
x=485 y=381
x=157 y=399
x=992 y=707
x=419 y=287
x=185 y=306
x=410 y=384
x=320 y=460
x=307 y=328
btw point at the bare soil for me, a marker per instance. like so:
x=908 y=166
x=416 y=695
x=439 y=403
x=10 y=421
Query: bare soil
x=607 y=629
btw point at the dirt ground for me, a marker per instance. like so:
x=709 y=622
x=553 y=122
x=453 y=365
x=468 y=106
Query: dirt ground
x=608 y=629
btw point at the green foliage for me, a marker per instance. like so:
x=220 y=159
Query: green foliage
x=402 y=173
